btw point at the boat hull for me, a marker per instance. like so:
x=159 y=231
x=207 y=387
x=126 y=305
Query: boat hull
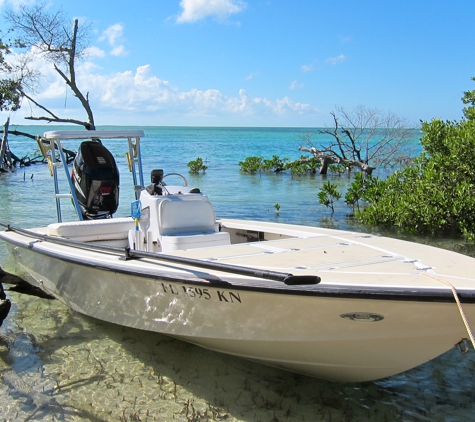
x=346 y=338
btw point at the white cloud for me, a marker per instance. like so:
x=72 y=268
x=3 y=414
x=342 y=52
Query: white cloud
x=307 y=67
x=335 y=60
x=56 y=89
x=143 y=92
x=194 y=10
x=114 y=35
x=240 y=105
x=89 y=67
x=94 y=52
x=15 y=4
x=32 y=61
x=119 y=51
x=296 y=85
x=286 y=104
x=139 y=94
x=345 y=40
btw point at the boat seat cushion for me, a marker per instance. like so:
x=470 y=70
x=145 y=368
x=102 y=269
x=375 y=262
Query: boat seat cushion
x=176 y=217
x=183 y=242
x=92 y=230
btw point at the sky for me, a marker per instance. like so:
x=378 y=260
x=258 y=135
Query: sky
x=263 y=63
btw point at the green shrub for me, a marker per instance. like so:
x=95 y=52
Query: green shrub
x=275 y=164
x=303 y=165
x=328 y=195
x=197 y=165
x=337 y=168
x=364 y=188
x=437 y=193
x=251 y=164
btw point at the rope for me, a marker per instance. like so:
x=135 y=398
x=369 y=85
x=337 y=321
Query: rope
x=459 y=304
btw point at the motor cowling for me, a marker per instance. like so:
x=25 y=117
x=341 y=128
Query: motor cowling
x=95 y=179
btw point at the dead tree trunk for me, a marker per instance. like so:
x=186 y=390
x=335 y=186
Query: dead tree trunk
x=5 y=154
x=327 y=159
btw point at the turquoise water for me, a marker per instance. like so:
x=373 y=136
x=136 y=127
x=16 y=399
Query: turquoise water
x=58 y=365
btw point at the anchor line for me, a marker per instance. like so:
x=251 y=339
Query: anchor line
x=459 y=304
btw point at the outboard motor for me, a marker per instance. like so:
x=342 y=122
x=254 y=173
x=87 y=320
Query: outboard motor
x=95 y=178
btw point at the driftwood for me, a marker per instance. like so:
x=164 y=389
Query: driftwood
x=25 y=134
x=8 y=160
x=326 y=159
x=12 y=160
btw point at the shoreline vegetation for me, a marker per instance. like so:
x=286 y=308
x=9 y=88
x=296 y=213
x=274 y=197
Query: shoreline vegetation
x=376 y=200
x=430 y=193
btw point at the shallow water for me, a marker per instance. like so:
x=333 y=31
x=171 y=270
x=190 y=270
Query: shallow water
x=56 y=364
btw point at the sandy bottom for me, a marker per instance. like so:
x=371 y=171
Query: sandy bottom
x=58 y=365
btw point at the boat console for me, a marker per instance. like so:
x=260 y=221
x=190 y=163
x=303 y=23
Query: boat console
x=175 y=218
x=168 y=217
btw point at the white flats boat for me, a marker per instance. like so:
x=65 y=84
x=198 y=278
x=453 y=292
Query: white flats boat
x=337 y=305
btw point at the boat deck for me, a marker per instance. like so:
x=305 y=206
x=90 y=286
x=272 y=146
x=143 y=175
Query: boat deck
x=343 y=260
x=332 y=254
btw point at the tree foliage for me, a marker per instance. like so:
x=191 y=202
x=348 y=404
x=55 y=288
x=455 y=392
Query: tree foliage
x=10 y=94
x=437 y=193
x=10 y=88
x=364 y=138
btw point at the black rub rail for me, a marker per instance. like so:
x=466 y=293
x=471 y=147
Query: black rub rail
x=286 y=278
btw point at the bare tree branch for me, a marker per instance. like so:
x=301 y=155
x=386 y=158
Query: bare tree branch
x=53 y=116
x=60 y=43
x=366 y=139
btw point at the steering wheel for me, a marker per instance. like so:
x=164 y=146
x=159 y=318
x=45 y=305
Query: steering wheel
x=185 y=183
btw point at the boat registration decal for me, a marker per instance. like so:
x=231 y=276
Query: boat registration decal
x=202 y=293
x=362 y=316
